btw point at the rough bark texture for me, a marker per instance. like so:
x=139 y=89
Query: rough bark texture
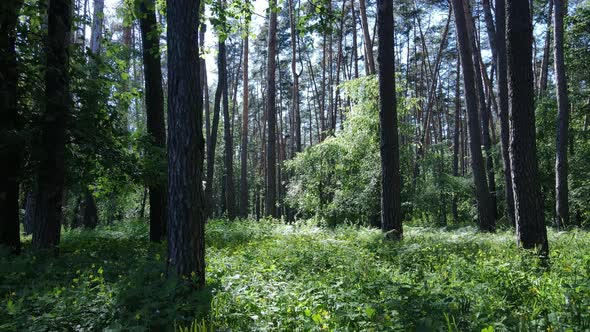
x=244 y=148
x=391 y=221
x=271 y=115
x=528 y=202
x=502 y=82
x=49 y=198
x=482 y=195
x=97 y=24
x=186 y=215
x=10 y=146
x=154 y=105
x=561 y=163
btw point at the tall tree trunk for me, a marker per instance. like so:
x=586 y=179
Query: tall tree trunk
x=9 y=124
x=186 y=215
x=482 y=109
x=154 y=106
x=90 y=218
x=545 y=62
x=212 y=142
x=456 y=135
x=97 y=24
x=271 y=114
x=503 y=106
x=391 y=221
x=49 y=198
x=244 y=148
x=561 y=162
x=354 y=40
x=369 y=59
x=482 y=194
x=228 y=167
x=528 y=202
x=296 y=112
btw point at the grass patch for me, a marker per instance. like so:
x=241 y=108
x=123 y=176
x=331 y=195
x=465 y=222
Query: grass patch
x=270 y=276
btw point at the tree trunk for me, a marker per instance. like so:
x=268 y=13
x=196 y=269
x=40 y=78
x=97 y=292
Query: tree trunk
x=482 y=194
x=528 y=202
x=186 y=216
x=212 y=142
x=456 y=135
x=9 y=124
x=97 y=24
x=48 y=210
x=244 y=148
x=296 y=112
x=354 y=40
x=561 y=162
x=228 y=176
x=391 y=221
x=271 y=115
x=503 y=106
x=369 y=60
x=154 y=105
x=545 y=61
x=90 y=219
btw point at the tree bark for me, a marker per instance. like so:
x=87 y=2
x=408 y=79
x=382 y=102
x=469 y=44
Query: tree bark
x=502 y=82
x=391 y=221
x=154 y=105
x=90 y=218
x=561 y=162
x=48 y=204
x=97 y=24
x=9 y=125
x=296 y=113
x=528 y=202
x=271 y=115
x=186 y=215
x=482 y=194
x=456 y=136
x=354 y=40
x=244 y=148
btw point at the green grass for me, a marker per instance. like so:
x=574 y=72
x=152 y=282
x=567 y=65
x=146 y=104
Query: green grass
x=271 y=276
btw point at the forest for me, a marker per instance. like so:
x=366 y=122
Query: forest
x=321 y=165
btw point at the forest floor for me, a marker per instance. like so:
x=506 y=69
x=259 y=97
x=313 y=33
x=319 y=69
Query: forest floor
x=270 y=276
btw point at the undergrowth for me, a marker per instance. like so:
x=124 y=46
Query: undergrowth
x=271 y=276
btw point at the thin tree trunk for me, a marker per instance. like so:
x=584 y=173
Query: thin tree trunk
x=154 y=106
x=561 y=162
x=456 y=136
x=391 y=221
x=10 y=148
x=354 y=40
x=296 y=113
x=528 y=202
x=244 y=148
x=228 y=176
x=545 y=62
x=503 y=107
x=482 y=194
x=271 y=153
x=369 y=59
x=186 y=217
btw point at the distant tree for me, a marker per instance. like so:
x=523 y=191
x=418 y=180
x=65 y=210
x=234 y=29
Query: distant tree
x=97 y=26
x=391 y=220
x=528 y=201
x=48 y=211
x=244 y=143
x=154 y=106
x=10 y=153
x=186 y=212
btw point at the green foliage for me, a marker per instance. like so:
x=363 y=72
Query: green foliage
x=271 y=276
